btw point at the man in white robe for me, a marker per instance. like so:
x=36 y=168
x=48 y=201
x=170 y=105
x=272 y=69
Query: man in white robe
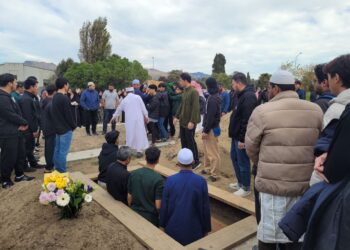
x=136 y=116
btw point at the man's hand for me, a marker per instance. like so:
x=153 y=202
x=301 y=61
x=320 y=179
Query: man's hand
x=241 y=145
x=223 y=113
x=319 y=161
x=36 y=134
x=146 y=120
x=114 y=118
x=175 y=120
x=204 y=136
x=23 y=128
x=190 y=126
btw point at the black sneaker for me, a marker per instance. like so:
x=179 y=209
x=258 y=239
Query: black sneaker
x=7 y=184
x=196 y=165
x=212 y=178
x=24 y=178
x=139 y=155
x=39 y=166
x=204 y=172
x=29 y=170
x=95 y=133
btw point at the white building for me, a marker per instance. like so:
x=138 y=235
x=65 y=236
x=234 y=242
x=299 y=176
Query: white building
x=41 y=70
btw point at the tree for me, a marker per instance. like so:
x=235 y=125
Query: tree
x=94 y=41
x=174 y=75
x=219 y=63
x=248 y=78
x=112 y=69
x=303 y=73
x=223 y=79
x=263 y=80
x=63 y=66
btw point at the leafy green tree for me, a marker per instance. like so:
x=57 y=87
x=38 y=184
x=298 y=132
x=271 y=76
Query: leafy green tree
x=223 y=79
x=94 y=41
x=113 y=69
x=174 y=75
x=63 y=66
x=303 y=73
x=219 y=64
x=263 y=80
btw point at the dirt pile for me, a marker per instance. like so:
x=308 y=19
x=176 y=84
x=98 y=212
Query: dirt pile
x=26 y=224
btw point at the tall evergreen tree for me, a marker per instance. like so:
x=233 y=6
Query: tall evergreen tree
x=94 y=41
x=219 y=64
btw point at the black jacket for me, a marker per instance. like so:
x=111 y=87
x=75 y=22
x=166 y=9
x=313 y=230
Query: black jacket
x=62 y=114
x=117 y=181
x=337 y=164
x=164 y=108
x=107 y=156
x=30 y=107
x=47 y=123
x=153 y=107
x=241 y=113
x=10 y=116
x=213 y=113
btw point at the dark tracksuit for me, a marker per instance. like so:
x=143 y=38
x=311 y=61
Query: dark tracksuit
x=10 y=139
x=49 y=132
x=30 y=108
x=153 y=113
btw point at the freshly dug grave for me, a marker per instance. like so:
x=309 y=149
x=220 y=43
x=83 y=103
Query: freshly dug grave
x=26 y=224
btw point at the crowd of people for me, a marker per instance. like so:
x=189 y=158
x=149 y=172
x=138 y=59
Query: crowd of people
x=295 y=149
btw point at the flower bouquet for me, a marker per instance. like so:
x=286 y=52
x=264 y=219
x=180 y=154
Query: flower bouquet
x=61 y=191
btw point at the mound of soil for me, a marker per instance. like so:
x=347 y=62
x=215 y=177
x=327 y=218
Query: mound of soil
x=26 y=224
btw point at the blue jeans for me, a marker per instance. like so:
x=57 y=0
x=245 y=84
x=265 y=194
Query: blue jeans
x=241 y=165
x=62 y=145
x=162 y=130
x=107 y=116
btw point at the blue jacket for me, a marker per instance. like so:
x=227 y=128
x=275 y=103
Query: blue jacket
x=90 y=100
x=225 y=101
x=301 y=94
x=185 y=211
x=325 y=139
x=322 y=213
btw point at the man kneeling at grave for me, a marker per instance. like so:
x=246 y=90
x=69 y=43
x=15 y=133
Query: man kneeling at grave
x=145 y=188
x=117 y=175
x=185 y=212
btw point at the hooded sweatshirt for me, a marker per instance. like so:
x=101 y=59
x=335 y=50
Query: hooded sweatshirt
x=107 y=156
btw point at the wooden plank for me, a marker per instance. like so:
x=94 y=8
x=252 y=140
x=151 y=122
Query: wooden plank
x=144 y=231
x=228 y=237
x=226 y=197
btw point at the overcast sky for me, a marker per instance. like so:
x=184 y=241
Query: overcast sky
x=255 y=36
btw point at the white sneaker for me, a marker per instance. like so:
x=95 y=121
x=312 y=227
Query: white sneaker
x=234 y=186
x=242 y=193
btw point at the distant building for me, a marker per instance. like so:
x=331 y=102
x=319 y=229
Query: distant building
x=41 y=70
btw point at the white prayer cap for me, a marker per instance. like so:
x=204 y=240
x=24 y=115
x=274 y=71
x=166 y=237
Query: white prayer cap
x=136 y=81
x=90 y=84
x=130 y=89
x=185 y=156
x=282 y=77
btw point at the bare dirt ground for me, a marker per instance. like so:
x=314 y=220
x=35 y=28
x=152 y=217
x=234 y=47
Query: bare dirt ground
x=25 y=224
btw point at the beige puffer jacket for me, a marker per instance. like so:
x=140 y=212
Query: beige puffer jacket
x=280 y=139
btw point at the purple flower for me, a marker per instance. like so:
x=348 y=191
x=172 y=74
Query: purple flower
x=44 y=198
x=51 y=197
x=51 y=187
x=90 y=189
x=59 y=192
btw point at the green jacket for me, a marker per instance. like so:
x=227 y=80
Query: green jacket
x=175 y=102
x=189 y=108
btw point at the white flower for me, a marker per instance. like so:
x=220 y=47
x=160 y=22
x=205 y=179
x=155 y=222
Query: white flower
x=51 y=187
x=63 y=200
x=88 y=198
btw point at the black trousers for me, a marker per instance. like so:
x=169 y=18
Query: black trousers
x=153 y=126
x=21 y=156
x=10 y=147
x=49 y=150
x=30 y=145
x=169 y=122
x=91 y=118
x=273 y=246
x=256 y=196
x=188 y=141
